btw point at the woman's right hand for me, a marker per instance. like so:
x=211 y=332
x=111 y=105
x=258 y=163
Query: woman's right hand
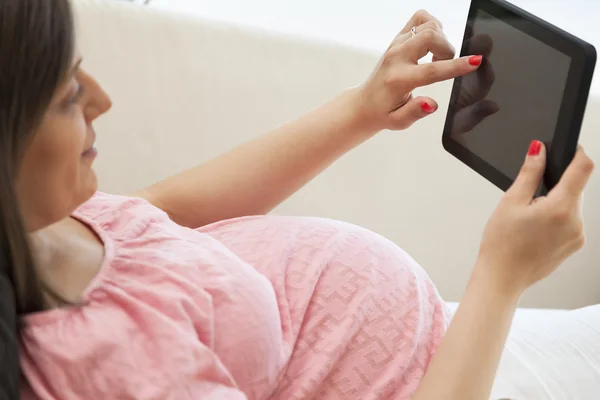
x=526 y=239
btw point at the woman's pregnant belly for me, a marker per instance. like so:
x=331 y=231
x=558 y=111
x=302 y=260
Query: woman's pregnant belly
x=358 y=318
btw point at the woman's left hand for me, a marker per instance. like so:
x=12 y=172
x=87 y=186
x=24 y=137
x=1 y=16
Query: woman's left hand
x=385 y=99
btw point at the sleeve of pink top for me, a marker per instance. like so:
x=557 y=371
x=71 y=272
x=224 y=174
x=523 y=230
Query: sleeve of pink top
x=147 y=357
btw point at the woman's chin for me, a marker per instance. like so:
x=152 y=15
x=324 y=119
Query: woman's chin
x=91 y=185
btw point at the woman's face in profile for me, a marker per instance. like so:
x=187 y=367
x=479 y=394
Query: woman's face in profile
x=56 y=174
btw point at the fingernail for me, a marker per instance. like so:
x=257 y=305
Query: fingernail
x=534 y=148
x=475 y=60
x=427 y=108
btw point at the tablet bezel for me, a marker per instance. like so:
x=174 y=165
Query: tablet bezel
x=572 y=110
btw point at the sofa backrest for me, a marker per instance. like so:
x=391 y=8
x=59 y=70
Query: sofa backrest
x=185 y=90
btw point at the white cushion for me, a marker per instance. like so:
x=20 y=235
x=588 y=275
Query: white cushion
x=551 y=355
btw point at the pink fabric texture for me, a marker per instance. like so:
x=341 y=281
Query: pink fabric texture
x=252 y=308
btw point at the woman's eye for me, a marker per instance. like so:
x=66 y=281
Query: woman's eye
x=75 y=98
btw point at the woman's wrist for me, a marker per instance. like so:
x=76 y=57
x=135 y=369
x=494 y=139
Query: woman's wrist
x=359 y=122
x=490 y=278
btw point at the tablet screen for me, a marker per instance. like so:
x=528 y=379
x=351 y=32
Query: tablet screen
x=513 y=98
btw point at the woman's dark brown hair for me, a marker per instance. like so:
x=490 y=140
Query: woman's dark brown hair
x=36 y=52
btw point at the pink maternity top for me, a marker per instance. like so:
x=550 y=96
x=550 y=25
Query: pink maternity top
x=252 y=308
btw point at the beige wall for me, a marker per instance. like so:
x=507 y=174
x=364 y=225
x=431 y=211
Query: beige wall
x=185 y=90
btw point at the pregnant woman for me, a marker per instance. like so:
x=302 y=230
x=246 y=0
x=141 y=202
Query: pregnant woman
x=186 y=290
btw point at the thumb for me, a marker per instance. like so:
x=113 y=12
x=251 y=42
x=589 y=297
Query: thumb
x=412 y=111
x=530 y=177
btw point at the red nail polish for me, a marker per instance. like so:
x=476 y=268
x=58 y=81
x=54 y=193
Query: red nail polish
x=534 y=148
x=427 y=108
x=475 y=60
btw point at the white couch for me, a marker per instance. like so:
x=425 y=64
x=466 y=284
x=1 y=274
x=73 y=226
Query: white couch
x=185 y=90
x=210 y=86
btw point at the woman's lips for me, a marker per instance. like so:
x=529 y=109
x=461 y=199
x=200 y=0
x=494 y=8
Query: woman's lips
x=90 y=153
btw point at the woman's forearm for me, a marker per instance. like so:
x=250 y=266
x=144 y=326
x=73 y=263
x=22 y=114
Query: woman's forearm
x=257 y=176
x=466 y=363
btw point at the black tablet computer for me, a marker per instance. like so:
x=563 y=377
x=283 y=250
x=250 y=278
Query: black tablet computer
x=533 y=83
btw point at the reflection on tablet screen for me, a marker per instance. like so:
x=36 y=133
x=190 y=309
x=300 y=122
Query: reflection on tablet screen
x=513 y=98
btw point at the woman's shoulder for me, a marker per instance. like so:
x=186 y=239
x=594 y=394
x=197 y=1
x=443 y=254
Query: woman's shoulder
x=104 y=209
x=102 y=202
